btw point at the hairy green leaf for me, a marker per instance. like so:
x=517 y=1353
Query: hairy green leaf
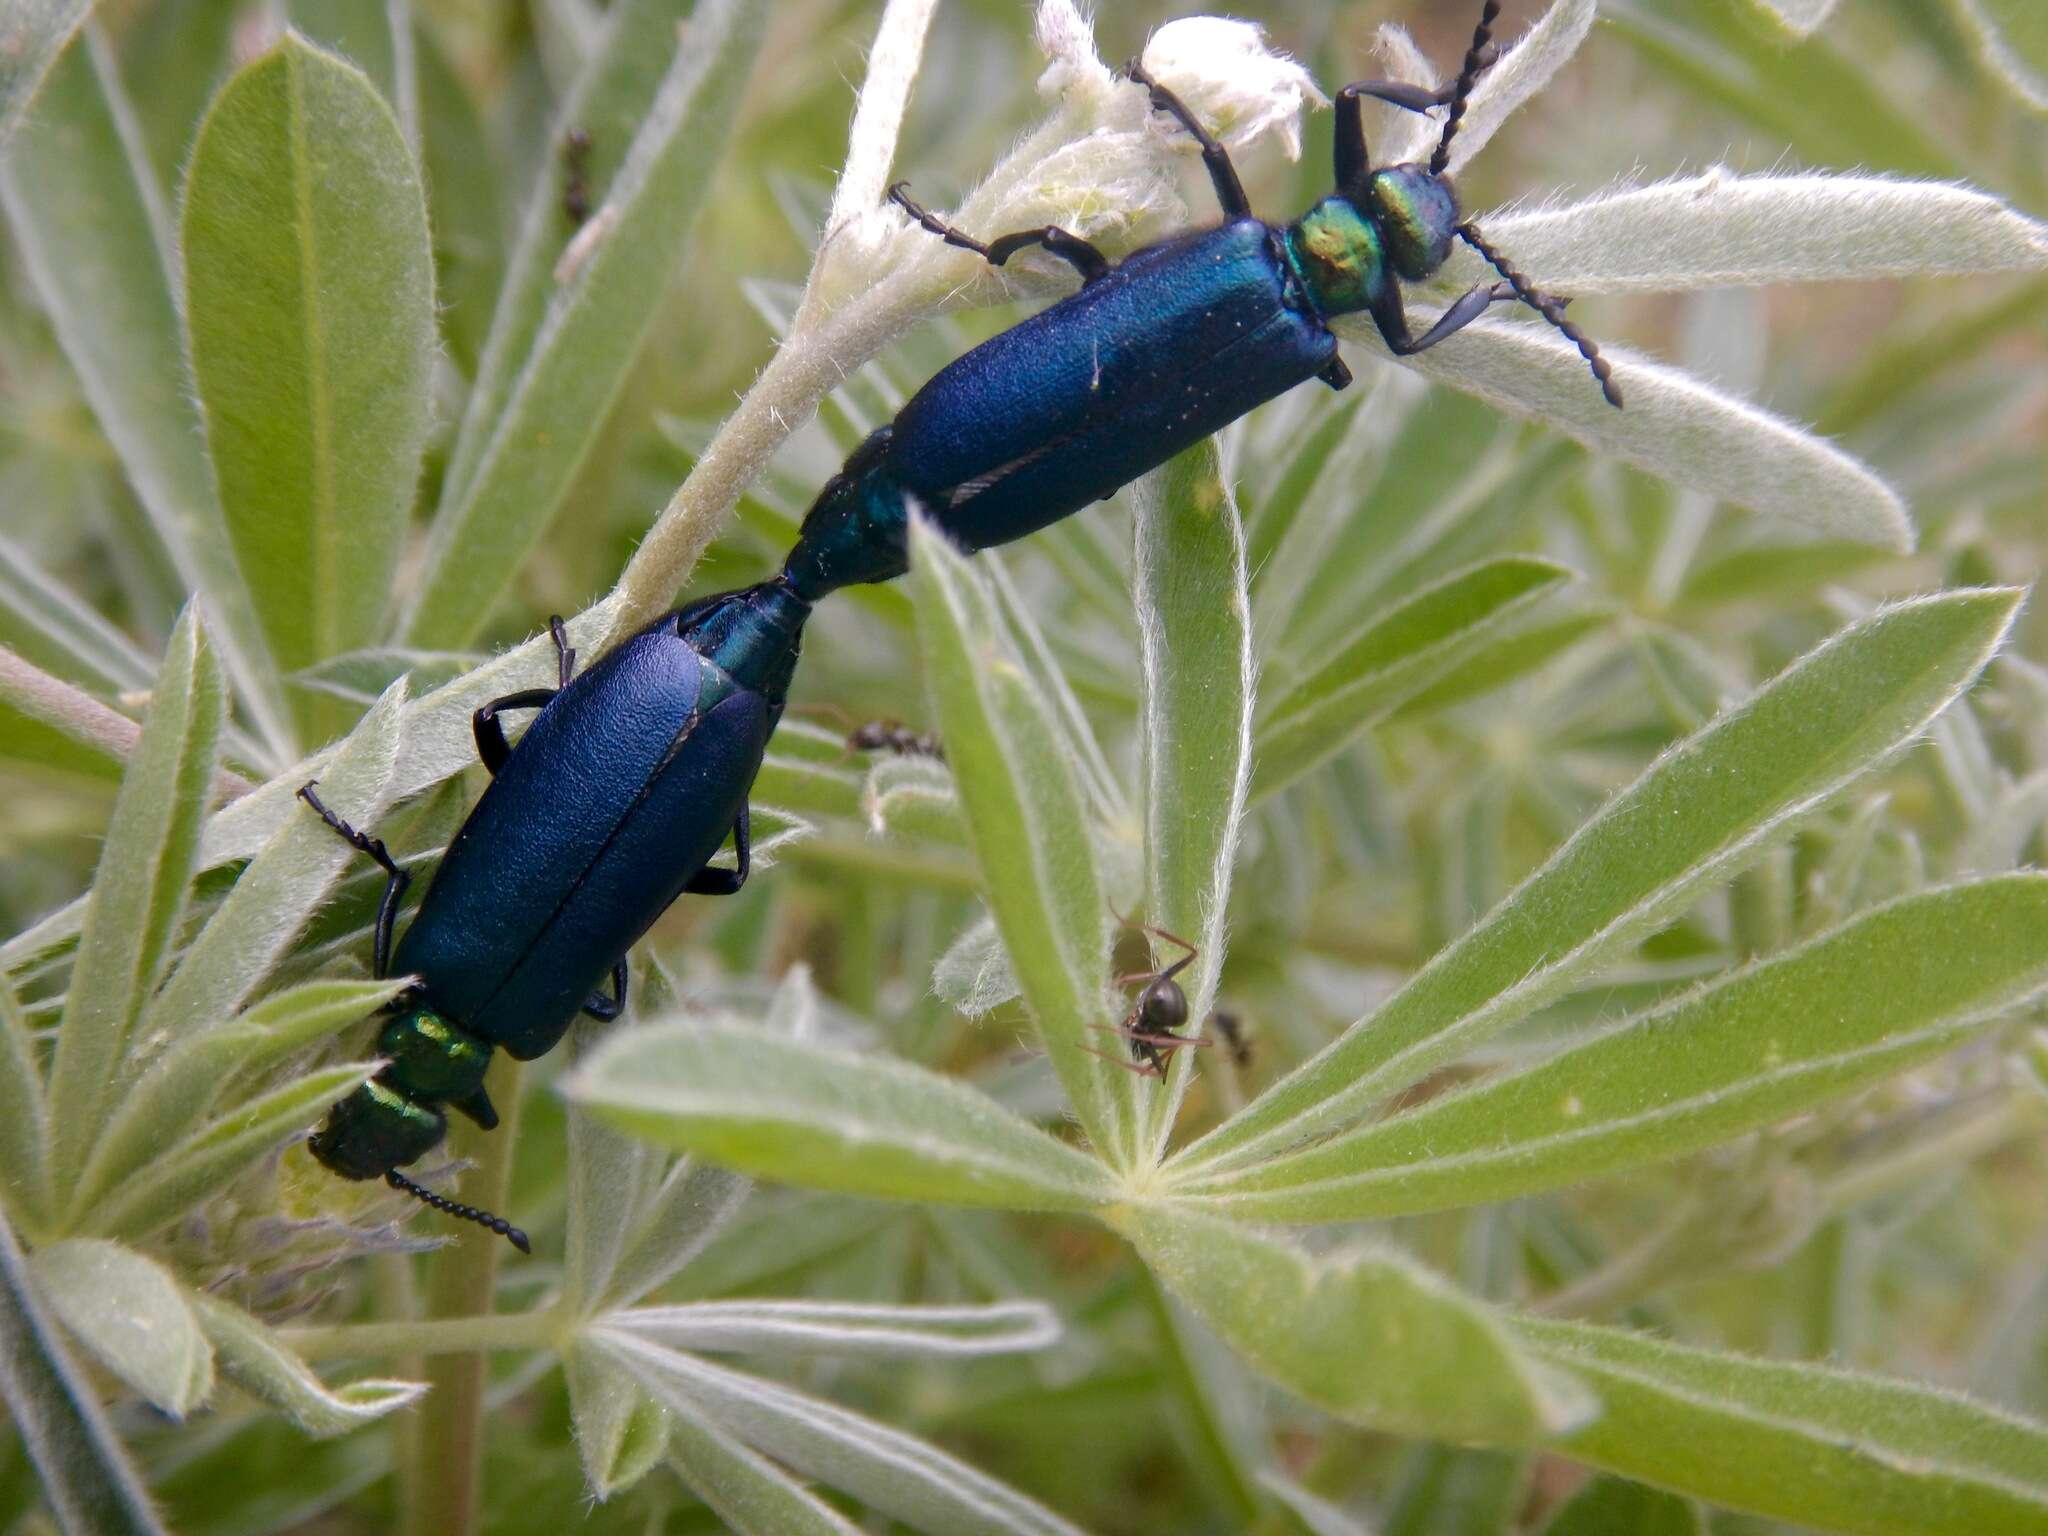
x=309 y=301
x=1804 y=1443
x=1024 y=816
x=828 y=1117
x=1195 y=628
x=132 y=1315
x=88 y=218
x=87 y=1479
x=1441 y=1364
x=138 y=892
x=1877 y=995
x=249 y=1355
x=1698 y=814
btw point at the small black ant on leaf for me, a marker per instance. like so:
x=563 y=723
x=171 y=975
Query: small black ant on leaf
x=891 y=736
x=575 y=179
x=1158 y=1012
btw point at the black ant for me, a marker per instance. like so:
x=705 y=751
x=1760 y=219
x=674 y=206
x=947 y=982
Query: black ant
x=1160 y=1009
x=575 y=182
x=890 y=736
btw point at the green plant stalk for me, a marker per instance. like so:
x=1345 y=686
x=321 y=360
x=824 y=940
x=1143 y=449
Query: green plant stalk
x=461 y=1286
x=437 y=1336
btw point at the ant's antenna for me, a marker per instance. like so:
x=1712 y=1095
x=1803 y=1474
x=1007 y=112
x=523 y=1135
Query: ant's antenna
x=497 y=1224
x=1550 y=308
x=1477 y=57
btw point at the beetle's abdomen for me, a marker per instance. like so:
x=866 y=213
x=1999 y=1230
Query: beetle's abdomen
x=1084 y=397
x=621 y=790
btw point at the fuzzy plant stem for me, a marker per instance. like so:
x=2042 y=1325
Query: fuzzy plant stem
x=440 y=1336
x=815 y=358
x=461 y=1286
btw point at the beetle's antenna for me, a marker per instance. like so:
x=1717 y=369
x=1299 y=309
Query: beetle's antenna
x=1477 y=57
x=1551 y=308
x=497 y=1224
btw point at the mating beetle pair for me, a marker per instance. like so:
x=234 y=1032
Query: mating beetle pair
x=632 y=775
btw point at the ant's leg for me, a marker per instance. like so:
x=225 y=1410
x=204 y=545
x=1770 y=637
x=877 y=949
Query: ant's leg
x=395 y=882
x=1222 y=174
x=1136 y=1069
x=1070 y=248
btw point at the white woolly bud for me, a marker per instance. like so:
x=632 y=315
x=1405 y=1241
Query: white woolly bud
x=1238 y=86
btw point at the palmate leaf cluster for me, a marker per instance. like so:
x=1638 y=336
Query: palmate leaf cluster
x=1614 y=833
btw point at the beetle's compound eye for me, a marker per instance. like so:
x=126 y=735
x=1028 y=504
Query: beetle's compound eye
x=1417 y=214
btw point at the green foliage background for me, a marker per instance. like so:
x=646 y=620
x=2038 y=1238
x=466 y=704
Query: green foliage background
x=1750 y=1065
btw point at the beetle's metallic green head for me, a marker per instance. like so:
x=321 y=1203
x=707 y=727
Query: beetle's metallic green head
x=396 y=1117
x=1416 y=213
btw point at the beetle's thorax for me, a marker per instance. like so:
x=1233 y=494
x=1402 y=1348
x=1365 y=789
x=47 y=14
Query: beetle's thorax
x=1338 y=255
x=752 y=635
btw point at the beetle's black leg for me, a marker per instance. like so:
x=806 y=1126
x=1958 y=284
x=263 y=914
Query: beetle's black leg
x=605 y=1009
x=565 y=653
x=713 y=881
x=1222 y=174
x=1069 y=247
x=395 y=879
x=1392 y=319
x=1336 y=375
x=478 y=1107
x=1353 y=165
x=491 y=745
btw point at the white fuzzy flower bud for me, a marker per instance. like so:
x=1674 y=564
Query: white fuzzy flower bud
x=1236 y=84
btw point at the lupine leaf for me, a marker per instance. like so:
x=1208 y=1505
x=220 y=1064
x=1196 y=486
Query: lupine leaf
x=1195 y=628
x=1804 y=1443
x=1419 y=642
x=621 y=1432
x=828 y=1117
x=747 y=1491
x=249 y=1355
x=88 y=218
x=211 y=1158
x=1024 y=816
x=309 y=302
x=842 y=1328
x=1893 y=987
x=1696 y=815
x=86 y=1477
x=1442 y=1365
x=138 y=892
x=133 y=1317
x=892 y=1472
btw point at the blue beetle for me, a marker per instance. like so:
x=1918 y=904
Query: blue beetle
x=628 y=781
x=1158 y=351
